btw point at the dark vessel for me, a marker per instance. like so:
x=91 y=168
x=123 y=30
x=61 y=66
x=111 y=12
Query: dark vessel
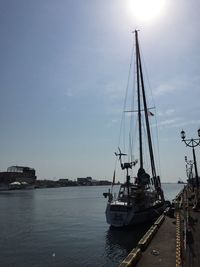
x=140 y=199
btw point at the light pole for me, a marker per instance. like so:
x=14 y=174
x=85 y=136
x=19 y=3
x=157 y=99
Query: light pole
x=193 y=143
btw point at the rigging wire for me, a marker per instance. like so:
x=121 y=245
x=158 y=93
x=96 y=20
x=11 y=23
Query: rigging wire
x=132 y=135
x=131 y=128
x=146 y=155
x=122 y=133
x=125 y=99
x=156 y=148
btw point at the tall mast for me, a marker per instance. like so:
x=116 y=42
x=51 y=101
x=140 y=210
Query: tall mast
x=139 y=102
x=153 y=168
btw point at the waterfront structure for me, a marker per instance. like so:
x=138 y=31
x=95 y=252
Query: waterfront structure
x=84 y=181
x=17 y=177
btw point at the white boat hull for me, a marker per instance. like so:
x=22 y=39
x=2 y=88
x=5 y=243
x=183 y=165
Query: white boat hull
x=5 y=187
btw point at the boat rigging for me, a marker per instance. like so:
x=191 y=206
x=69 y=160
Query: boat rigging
x=143 y=199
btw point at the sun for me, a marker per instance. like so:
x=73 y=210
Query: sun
x=146 y=10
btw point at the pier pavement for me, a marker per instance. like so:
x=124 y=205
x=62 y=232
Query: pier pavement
x=191 y=230
x=161 y=250
x=175 y=241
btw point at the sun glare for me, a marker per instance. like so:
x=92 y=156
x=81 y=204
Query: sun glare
x=146 y=10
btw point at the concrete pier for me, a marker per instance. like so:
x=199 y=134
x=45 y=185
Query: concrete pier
x=171 y=241
x=191 y=229
x=161 y=250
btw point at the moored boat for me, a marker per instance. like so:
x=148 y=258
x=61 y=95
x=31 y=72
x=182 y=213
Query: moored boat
x=140 y=198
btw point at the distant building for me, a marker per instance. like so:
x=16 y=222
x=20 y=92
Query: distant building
x=46 y=184
x=104 y=182
x=90 y=181
x=63 y=181
x=21 y=174
x=84 y=181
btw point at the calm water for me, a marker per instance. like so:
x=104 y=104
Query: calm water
x=63 y=227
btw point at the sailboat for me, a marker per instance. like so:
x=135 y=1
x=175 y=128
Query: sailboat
x=140 y=199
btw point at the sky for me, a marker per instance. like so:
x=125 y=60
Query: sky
x=63 y=74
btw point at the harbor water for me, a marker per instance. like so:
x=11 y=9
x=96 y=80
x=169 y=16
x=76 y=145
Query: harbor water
x=64 y=227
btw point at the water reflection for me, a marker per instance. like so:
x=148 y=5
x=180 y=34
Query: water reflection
x=120 y=241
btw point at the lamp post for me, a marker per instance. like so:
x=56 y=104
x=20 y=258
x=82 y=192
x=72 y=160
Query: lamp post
x=193 y=143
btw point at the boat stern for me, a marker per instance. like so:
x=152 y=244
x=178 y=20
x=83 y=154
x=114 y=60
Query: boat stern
x=117 y=214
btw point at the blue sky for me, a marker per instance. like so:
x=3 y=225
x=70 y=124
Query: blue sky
x=63 y=74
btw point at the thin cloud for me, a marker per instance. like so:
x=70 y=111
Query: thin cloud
x=177 y=123
x=113 y=90
x=170 y=87
x=167 y=112
x=163 y=89
x=180 y=84
x=186 y=123
x=68 y=93
x=169 y=122
x=112 y=123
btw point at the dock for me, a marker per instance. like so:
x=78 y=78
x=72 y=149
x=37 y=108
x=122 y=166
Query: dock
x=174 y=239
